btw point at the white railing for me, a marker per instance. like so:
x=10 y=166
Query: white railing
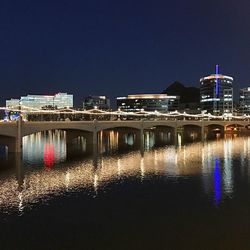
x=119 y=113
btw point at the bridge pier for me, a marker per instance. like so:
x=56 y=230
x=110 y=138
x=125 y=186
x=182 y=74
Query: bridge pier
x=95 y=143
x=19 y=139
x=139 y=137
x=178 y=131
x=142 y=140
x=14 y=143
x=175 y=136
x=202 y=132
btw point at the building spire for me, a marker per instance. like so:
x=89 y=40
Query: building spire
x=217 y=80
x=217 y=69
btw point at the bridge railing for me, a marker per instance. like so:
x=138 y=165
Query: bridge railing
x=67 y=114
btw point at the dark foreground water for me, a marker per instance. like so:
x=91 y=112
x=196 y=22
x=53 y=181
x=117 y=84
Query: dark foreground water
x=191 y=197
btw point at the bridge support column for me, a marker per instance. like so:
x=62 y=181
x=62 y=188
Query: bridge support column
x=142 y=137
x=178 y=131
x=15 y=144
x=202 y=132
x=141 y=140
x=19 y=139
x=95 y=149
x=175 y=136
x=95 y=141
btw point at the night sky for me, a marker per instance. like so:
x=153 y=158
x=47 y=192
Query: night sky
x=119 y=47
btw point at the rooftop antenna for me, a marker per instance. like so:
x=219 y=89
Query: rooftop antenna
x=217 y=69
x=217 y=80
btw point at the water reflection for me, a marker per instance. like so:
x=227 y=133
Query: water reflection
x=217 y=191
x=47 y=147
x=227 y=175
x=212 y=162
x=49 y=155
x=108 y=141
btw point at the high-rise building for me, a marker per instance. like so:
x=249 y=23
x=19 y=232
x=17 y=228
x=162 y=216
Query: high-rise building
x=244 y=101
x=148 y=102
x=60 y=100
x=99 y=102
x=216 y=93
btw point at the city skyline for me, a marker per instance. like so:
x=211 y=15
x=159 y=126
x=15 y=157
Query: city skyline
x=116 y=49
x=124 y=124
x=113 y=98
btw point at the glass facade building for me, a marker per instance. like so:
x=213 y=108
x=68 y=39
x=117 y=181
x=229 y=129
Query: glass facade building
x=244 y=101
x=216 y=94
x=148 y=102
x=60 y=100
x=99 y=102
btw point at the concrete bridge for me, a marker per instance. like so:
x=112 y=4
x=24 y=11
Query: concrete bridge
x=11 y=133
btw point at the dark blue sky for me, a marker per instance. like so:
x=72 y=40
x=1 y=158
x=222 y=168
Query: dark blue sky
x=119 y=47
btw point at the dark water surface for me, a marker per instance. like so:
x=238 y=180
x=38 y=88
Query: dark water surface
x=191 y=197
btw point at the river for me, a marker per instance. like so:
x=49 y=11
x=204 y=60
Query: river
x=195 y=196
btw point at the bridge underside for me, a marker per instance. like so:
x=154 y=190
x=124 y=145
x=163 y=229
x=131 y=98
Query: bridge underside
x=214 y=131
x=10 y=142
x=130 y=133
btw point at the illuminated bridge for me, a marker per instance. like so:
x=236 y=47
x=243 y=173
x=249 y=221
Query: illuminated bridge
x=178 y=125
x=11 y=133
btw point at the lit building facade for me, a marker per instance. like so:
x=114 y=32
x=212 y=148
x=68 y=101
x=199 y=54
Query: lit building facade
x=13 y=103
x=148 y=102
x=244 y=101
x=216 y=93
x=99 y=102
x=60 y=100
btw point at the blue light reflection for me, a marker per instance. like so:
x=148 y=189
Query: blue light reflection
x=217 y=191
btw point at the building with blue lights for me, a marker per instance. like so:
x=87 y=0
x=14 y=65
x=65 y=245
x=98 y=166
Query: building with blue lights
x=216 y=93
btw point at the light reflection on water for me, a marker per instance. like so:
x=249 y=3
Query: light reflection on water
x=212 y=162
x=45 y=147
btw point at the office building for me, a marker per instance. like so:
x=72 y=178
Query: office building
x=13 y=103
x=244 y=101
x=148 y=102
x=98 y=102
x=57 y=101
x=216 y=93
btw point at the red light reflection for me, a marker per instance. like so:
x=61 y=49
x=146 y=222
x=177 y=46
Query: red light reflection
x=49 y=155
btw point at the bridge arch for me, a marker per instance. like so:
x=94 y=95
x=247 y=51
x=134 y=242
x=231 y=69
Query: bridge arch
x=214 y=130
x=195 y=124
x=236 y=124
x=71 y=134
x=117 y=126
x=150 y=124
x=10 y=142
x=159 y=126
x=122 y=137
x=159 y=135
x=192 y=132
x=36 y=129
